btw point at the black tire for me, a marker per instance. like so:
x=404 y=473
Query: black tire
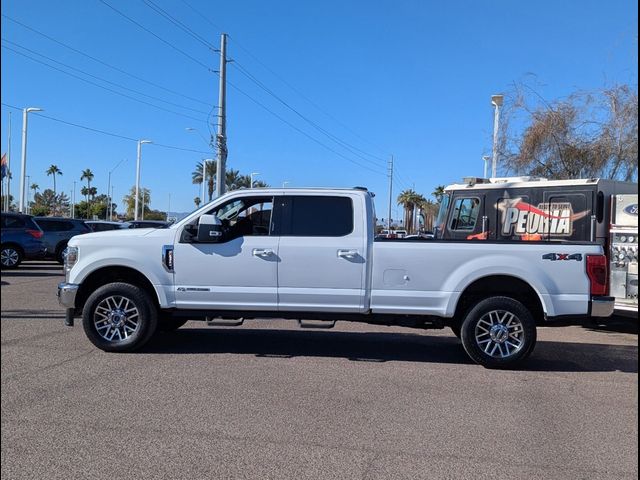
x=492 y=343
x=116 y=310
x=10 y=256
x=167 y=324
x=60 y=253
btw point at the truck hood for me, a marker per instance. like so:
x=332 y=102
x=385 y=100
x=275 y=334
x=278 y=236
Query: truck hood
x=120 y=236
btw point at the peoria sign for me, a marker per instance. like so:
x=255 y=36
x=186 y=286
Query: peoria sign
x=522 y=219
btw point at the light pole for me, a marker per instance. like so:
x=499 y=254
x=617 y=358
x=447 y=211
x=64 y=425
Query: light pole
x=109 y=209
x=285 y=183
x=111 y=197
x=23 y=163
x=73 y=201
x=252 y=175
x=496 y=101
x=28 y=188
x=140 y=143
x=204 y=178
x=486 y=159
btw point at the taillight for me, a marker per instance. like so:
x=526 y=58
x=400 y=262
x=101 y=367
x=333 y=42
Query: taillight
x=35 y=233
x=598 y=274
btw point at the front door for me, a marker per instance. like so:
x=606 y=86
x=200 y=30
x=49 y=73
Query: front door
x=237 y=273
x=322 y=254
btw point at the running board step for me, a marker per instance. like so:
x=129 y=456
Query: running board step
x=317 y=323
x=224 y=322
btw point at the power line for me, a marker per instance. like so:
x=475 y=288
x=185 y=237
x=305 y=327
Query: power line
x=101 y=86
x=178 y=23
x=208 y=20
x=103 y=79
x=247 y=95
x=302 y=131
x=155 y=35
x=105 y=63
x=104 y=132
x=326 y=133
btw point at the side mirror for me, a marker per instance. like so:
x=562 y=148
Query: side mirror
x=209 y=229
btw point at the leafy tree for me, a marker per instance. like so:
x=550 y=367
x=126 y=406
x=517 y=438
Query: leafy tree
x=144 y=199
x=583 y=135
x=50 y=203
x=54 y=170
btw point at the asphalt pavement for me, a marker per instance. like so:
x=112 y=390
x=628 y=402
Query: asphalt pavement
x=270 y=401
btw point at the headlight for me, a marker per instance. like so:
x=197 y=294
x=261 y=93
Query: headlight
x=70 y=258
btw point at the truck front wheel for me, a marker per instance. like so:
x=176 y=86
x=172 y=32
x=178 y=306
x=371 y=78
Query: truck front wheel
x=119 y=317
x=499 y=332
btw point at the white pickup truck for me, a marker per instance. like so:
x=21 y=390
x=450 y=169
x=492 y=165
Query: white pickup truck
x=310 y=255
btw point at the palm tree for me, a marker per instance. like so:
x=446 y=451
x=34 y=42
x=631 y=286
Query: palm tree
x=196 y=176
x=88 y=175
x=35 y=187
x=234 y=180
x=54 y=170
x=438 y=193
x=197 y=202
x=409 y=199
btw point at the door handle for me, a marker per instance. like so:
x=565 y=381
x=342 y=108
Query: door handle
x=262 y=252
x=347 y=253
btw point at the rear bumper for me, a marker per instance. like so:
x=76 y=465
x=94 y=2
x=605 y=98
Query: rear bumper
x=601 y=306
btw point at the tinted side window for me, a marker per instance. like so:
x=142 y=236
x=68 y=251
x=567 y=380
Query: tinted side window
x=12 y=222
x=465 y=214
x=310 y=216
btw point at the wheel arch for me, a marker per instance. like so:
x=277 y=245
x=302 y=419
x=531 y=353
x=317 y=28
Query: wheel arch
x=110 y=274
x=500 y=285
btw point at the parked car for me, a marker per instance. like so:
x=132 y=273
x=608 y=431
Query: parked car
x=261 y=254
x=147 y=224
x=57 y=232
x=21 y=240
x=104 y=225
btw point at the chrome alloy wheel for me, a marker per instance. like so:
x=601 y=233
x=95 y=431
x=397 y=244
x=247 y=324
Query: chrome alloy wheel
x=116 y=318
x=9 y=257
x=499 y=334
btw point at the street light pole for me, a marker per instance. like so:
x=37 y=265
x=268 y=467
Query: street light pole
x=109 y=208
x=140 y=143
x=486 y=159
x=73 y=201
x=496 y=101
x=28 y=188
x=285 y=183
x=252 y=175
x=23 y=162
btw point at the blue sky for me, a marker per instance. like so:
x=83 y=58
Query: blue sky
x=408 y=78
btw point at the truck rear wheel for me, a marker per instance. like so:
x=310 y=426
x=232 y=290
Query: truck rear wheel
x=499 y=332
x=119 y=317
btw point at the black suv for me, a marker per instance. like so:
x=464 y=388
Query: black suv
x=57 y=233
x=21 y=240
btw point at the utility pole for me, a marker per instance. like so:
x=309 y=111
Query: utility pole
x=7 y=192
x=390 y=192
x=221 y=140
x=496 y=101
x=73 y=201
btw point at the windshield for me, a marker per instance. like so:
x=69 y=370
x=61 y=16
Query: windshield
x=442 y=216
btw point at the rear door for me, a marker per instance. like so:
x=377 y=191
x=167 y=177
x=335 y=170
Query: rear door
x=322 y=253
